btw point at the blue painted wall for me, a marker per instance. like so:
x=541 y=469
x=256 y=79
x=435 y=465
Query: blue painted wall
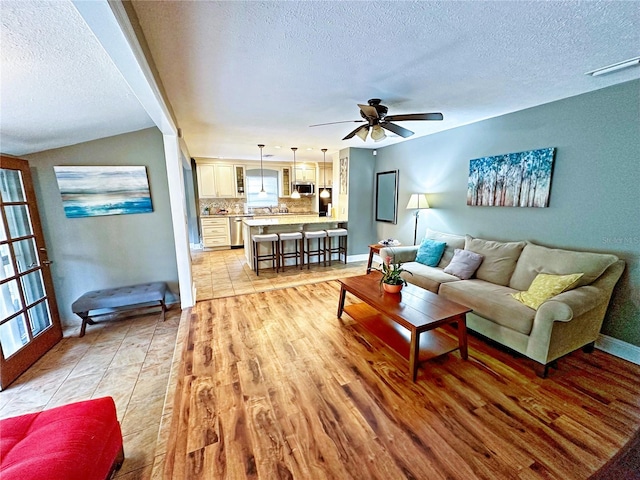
x=110 y=251
x=595 y=189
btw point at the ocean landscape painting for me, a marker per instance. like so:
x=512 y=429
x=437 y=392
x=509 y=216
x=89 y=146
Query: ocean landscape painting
x=520 y=179
x=97 y=191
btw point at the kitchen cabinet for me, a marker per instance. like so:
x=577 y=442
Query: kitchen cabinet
x=216 y=180
x=240 y=178
x=215 y=232
x=321 y=177
x=305 y=173
x=285 y=182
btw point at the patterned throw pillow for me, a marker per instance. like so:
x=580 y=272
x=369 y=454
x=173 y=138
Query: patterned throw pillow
x=430 y=252
x=545 y=286
x=463 y=264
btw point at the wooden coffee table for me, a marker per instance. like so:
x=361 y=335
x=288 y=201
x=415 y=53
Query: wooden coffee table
x=389 y=315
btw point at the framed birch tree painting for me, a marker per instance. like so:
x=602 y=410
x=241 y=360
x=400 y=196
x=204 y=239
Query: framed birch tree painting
x=520 y=179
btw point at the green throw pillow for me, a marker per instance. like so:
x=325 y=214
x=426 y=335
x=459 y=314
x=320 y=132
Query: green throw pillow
x=430 y=252
x=545 y=286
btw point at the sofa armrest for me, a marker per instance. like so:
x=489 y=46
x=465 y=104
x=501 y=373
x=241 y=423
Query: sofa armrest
x=399 y=254
x=576 y=302
x=573 y=303
x=572 y=319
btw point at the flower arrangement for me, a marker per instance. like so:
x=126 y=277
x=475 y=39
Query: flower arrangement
x=391 y=273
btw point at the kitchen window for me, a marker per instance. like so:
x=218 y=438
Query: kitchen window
x=254 y=184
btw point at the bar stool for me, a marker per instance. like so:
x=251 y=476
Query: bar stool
x=298 y=248
x=341 y=248
x=319 y=235
x=273 y=256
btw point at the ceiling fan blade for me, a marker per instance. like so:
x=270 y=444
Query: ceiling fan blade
x=397 y=129
x=414 y=116
x=333 y=123
x=368 y=111
x=355 y=132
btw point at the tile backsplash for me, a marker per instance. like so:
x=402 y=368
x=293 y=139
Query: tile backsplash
x=237 y=205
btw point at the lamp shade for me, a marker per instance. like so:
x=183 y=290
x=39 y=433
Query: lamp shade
x=363 y=132
x=377 y=133
x=418 y=200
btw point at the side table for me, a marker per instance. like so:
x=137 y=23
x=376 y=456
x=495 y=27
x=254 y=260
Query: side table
x=374 y=248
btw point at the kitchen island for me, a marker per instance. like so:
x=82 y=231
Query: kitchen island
x=287 y=223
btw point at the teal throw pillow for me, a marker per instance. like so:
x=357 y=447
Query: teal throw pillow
x=430 y=252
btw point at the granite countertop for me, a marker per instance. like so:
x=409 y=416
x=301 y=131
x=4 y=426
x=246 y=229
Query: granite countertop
x=218 y=215
x=291 y=220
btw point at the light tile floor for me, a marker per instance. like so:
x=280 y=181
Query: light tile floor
x=226 y=273
x=135 y=359
x=127 y=358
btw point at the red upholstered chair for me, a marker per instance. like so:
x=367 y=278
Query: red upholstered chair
x=79 y=441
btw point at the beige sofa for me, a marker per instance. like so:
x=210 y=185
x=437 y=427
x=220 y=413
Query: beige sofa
x=562 y=324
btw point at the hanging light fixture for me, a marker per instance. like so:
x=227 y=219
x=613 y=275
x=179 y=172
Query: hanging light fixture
x=363 y=132
x=262 y=191
x=377 y=133
x=295 y=193
x=324 y=193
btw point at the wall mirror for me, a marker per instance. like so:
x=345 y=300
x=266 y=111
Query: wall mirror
x=387 y=196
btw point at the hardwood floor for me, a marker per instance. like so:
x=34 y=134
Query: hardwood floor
x=273 y=385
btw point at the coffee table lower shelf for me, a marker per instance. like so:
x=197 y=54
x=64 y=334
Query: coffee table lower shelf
x=433 y=343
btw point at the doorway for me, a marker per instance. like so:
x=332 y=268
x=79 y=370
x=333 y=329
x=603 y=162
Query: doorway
x=29 y=320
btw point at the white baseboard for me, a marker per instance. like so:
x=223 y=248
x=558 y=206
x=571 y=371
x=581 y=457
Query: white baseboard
x=619 y=348
x=358 y=258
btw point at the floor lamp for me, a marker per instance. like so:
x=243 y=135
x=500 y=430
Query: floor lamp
x=418 y=201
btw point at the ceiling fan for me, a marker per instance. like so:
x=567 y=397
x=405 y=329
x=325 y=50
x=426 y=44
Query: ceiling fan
x=377 y=120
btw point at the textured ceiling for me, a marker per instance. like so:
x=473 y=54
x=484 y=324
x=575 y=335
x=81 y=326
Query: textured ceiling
x=242 y=73
x=58 y=86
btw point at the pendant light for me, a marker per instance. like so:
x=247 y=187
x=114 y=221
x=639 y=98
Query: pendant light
x=295 y=193
x=324 y=193
x=262 y=191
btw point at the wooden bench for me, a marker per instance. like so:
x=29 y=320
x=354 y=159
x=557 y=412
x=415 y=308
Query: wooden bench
x=133 y=296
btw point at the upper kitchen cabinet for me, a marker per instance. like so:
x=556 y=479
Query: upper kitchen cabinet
x=322 y=174
x=305 y=173
x=285 y=182
x=240 y=180
x=216 y=180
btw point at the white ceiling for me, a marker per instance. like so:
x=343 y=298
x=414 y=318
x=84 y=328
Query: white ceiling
x=58 y=86
x=241 y=73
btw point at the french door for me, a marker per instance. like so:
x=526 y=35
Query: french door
x=29 y=320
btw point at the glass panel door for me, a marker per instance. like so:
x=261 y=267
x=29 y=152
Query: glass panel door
x=29 y=321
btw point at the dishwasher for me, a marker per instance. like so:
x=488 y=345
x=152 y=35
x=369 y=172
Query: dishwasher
x=236 y=228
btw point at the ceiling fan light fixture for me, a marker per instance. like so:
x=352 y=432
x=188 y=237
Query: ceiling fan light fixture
x=377 y=133
x=363 y=132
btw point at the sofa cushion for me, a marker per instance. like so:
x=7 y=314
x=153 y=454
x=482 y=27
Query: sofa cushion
x=452 y=241
x=499 y=258
x=544 y=287
x=430 y=252
x=79 y=441
x=426 y=277
x=536 y=259
x=491 y=301
x=463 y=264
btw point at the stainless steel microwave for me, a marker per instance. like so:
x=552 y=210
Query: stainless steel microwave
x=304 y=188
